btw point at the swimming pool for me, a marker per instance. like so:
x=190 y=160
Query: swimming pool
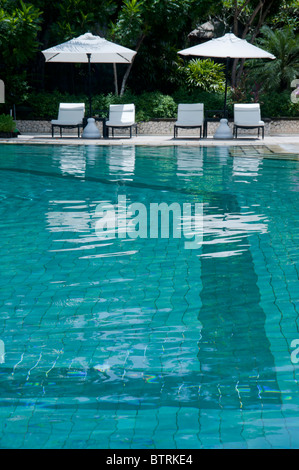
x=141 y=343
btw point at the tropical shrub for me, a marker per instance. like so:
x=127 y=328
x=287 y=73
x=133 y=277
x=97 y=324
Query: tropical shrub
x=277 y=74
x=204 y=74
x=154 y=105
x=7 y=124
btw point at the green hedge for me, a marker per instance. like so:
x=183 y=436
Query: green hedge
x=45 y=105
x=152 y=105
x=148 y=105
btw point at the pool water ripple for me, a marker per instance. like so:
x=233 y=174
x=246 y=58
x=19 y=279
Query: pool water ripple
x=140 y=342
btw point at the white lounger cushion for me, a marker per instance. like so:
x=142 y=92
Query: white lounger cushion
x=121 y=115
x=70 y=114
x=248 y=115
x=190 y=115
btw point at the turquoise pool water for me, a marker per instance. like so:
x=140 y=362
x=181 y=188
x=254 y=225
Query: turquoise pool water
x=140 y=343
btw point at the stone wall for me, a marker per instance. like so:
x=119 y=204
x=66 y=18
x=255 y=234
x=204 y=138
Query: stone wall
x=165 y=127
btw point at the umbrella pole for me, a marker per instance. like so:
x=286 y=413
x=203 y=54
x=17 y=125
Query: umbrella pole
x=225 y=93
x=89 y=83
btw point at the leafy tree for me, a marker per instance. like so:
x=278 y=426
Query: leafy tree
x=130 y=30
x=156 y=29
x=248 y=17
x=288 y=14
x=277 y=74
x=62 y=21
x=76 y=17
x=18 y=33
x=19 y=26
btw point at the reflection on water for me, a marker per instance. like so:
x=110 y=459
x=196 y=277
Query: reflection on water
x=123 y=163
x=123 y=327
x=187 y=165
x=246 y=166
x=75 y=167
x=2 y=352
x=234 y=349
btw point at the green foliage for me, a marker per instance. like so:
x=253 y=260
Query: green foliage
x=248 y=13
x=149 y=105
x=246 y=91
x=273 y=104
x=156 y=28
x=17 y=87
x=212 y=101
x=19 y=27
x=288 y=14
x=101 y=103
x=43 y=105
x=165 y=17
x=7 y=123
x=204 y=74
x=153 y=105
x=276 y=75
x=130 y=23
x=18 y=33
x=76 y=17
x=278 y=105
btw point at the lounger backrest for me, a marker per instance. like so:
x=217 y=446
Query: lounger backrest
x=71 y=113
x=247 y=114
x=192 y=114
x=122 y=113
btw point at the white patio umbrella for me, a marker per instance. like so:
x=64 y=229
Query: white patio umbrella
x=228 y=46
x=88 y=48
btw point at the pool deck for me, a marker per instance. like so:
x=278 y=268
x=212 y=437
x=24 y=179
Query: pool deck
x=278 y=144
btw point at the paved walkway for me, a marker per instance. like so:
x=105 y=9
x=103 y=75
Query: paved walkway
x=278 y=144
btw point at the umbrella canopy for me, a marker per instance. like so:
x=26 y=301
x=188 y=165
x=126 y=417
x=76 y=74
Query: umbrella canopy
x=228 y=46
x=89 y=49
x=100 y=50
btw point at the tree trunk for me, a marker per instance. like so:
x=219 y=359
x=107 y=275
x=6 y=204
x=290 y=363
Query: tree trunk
x=262 y=15
x=257 y=29
x=125 y=78
x=237 y=13
x=127 y=73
